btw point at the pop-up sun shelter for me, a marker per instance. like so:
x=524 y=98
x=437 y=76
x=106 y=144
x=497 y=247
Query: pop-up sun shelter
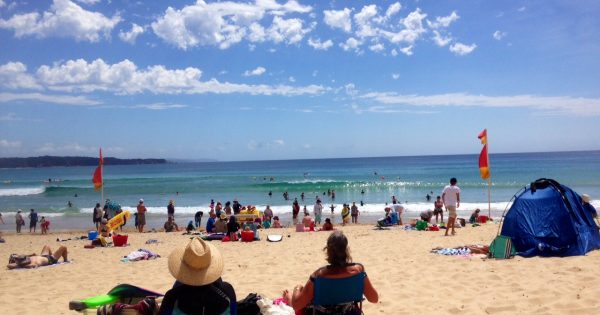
x=548 y=219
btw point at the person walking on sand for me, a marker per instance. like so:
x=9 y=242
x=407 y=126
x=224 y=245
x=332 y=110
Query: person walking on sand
x=451 y=199
x=19 y=221
x=141 y=216
x=97 y=215
x=33 y=218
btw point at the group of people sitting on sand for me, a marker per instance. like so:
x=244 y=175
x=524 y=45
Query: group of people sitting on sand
x=198 y=289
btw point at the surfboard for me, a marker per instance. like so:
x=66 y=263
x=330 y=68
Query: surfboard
x=118 y=220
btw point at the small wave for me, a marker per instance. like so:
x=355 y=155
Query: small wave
x=26 y=191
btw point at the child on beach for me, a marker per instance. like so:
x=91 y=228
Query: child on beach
x=276 y=223
x=44 y=224
x=327 y=226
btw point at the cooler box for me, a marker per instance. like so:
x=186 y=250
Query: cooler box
x=482 y=218
x=247 y=236
x=119 y=240
x=92 y=235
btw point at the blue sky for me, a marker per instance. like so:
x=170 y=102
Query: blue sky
x=273 y=79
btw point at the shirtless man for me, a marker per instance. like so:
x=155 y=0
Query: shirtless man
x=46 y=258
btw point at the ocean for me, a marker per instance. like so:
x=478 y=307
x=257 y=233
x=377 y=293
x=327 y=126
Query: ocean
x=193 y=185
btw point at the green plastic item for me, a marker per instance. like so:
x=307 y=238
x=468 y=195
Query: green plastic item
x=502 y=248
x=421 y=225
x=93 y=302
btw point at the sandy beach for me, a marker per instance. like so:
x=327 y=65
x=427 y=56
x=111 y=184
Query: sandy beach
x=409 y=279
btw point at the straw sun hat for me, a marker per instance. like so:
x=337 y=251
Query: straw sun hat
x=198 y=263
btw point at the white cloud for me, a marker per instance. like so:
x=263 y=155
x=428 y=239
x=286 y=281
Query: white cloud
x=160 y=106
x=413 y=29
x=351 y=44
x=256 y=72
x=318 y=45
x=2 y=3
x=338 y=19
x=292 y=79
x=407 y=50
x=227 y=23
x=129 y=37
x=125 y=78
x=395 y=76
x=462 y=49
x=350 y=89
x=45 y=98
x=6 y=144
x=64 y=19
x=67 y=149
x=254 y=145
x=521 y=9
x=499 y=35
x=290 y=31
x=443 y=21
x=89 y=2
x=393 y=9
x=394 y=52
x=440 y=40
x=13 y=75
x=377 y=47
x=364 y=20
x=553 y=104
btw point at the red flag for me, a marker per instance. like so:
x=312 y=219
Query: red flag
x=484 y=166
x=97 y=179
x=484 y=163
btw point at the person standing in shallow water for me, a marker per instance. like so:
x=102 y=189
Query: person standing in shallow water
x=451 y=199
x=171 y=209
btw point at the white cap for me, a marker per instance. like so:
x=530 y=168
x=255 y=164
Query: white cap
x=586 y=198
x=141 y=200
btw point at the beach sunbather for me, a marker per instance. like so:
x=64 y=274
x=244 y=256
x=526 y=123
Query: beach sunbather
x=47 y=257
x=199 y=289
x=170 y=225
x=340 y=266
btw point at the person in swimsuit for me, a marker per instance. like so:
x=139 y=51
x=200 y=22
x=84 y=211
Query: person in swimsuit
x=46 y=258
x=438 y=208
x=340 y=266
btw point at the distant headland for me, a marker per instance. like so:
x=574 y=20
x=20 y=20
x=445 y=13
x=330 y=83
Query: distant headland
x=48 y=161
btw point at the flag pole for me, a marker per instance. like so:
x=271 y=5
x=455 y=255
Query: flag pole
x=487 y=143
x=102 y=189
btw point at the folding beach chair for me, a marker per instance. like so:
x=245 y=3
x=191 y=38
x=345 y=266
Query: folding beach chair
x=345 y=294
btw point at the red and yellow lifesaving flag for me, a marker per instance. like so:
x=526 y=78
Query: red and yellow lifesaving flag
x=97 y=179
x=484 y=163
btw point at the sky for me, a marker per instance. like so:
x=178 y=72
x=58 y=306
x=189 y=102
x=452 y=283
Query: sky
x=273 y=79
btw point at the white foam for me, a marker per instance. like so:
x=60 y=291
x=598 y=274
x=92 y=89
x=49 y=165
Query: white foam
x=26 y=191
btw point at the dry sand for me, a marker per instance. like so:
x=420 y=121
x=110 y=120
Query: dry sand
x=409 y=279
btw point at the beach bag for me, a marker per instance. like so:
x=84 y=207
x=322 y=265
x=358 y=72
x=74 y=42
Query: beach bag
x=502 y=248
x=248 y=305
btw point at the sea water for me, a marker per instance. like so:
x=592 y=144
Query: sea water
x=193 y=185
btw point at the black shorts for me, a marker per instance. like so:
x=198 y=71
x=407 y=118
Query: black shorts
x=438 y=211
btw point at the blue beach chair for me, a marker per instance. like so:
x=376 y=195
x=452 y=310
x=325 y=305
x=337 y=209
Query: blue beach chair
x=344 y=294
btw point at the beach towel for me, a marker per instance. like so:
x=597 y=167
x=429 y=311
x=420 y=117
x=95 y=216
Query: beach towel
x=140 y=254
x=463 y=251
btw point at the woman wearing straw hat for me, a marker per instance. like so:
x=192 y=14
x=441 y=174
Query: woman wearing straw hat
x=199 y=289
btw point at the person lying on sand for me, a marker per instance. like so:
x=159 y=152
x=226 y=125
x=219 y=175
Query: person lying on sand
x=46 y=258
x=340 y=266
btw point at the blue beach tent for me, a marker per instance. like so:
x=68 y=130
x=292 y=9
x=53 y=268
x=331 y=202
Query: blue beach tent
x=548 y=219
